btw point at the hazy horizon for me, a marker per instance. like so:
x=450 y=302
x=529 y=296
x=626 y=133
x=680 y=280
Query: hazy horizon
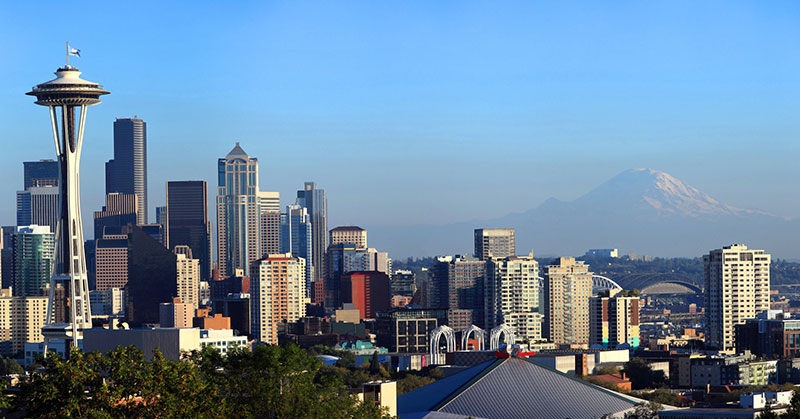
x=423 y=113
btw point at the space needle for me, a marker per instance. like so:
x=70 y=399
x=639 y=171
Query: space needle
x=67 y=97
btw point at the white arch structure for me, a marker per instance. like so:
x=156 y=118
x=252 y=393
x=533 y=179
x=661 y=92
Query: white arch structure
x=479 y=335
x=602 y=283
x=450 y=339
x=505 y=330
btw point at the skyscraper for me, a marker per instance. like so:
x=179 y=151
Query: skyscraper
x=127 y=171
x=512 y=295
x=736 y=288
x=494 y=242
x=38 y=205
x=315 y=201
x=119 y=211
x=349 y=235
x=34 y=251
x=269 y=218
x=277 y=295
x=111 y=259
x=343 y=258
x=152 y=273
x=614 y=319
x=296 y=239
x=40 y=173
x=187 y=221
x=7 y=255
x=568 y=286
x=457 y=284
x=237 y=212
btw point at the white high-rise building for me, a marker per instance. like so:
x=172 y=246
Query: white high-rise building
x=736 y=289
x=188 y=270
x=568 y=286
x=277 y=294
x=512 y=295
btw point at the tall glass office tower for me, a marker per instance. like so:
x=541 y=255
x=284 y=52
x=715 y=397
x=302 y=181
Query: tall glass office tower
x=316 y=203
x=237 y=212
x=127 y=171
x=187 y=220
x=296 y=236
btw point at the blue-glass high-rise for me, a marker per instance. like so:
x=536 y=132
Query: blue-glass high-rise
x=296 y=238
x=127 y=171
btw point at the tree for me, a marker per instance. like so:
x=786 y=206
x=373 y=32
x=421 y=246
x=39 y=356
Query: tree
x=375 y=364
x=9 y=366
x=642 y=375
x=793 y=411
x=644 y=411
x=119 y=384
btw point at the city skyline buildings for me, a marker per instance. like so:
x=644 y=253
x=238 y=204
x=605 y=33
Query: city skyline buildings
x=460 y=116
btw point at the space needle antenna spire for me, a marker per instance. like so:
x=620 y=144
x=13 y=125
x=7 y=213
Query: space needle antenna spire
x=67 y=97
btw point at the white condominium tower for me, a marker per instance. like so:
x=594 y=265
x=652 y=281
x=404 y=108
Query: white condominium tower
x=736 y=289
x=512 y=295
x=568 y=286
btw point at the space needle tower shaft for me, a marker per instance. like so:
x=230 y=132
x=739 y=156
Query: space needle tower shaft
x=67 y=97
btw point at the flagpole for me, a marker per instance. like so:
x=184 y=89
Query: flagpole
x=67 y=53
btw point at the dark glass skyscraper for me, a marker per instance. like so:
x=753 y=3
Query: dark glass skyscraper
x=152 y=270
x=187 y=220
x=40 y=173
x=316 y=203
x=127 y=171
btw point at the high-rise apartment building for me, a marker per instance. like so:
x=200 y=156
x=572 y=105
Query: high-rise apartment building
x=38 y=205
x=237 y=212
x=21 y=321
x=119 y=211
x=40 y=173
x=315 y=201
x=568 y=286
x=187 y=220
x=34 y=252
x=188 y=270
x=349 y=235
x=295 y=238
x=494 y=242
x=269 y=218
x=161 y=219
x=277 y=295
x=736 y=289
x=404 y=283
x=127 y=171
x=512 y=295
x=457 y=284
x=614 y=319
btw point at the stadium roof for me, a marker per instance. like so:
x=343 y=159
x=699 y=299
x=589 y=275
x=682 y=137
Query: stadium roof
x=512 y=388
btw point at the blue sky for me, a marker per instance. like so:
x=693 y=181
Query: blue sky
x=423 y=112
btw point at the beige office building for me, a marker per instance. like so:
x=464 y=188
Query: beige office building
x=277 y=295
x=111 y=261
x=21 y=320
x=568 y=287
x=494 y=242
x=349 y=235
x=175 y=314
x=512 y=296
x=736 y=288
x=188 y=270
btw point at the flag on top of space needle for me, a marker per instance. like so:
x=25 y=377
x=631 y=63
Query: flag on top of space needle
x=74 y=51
